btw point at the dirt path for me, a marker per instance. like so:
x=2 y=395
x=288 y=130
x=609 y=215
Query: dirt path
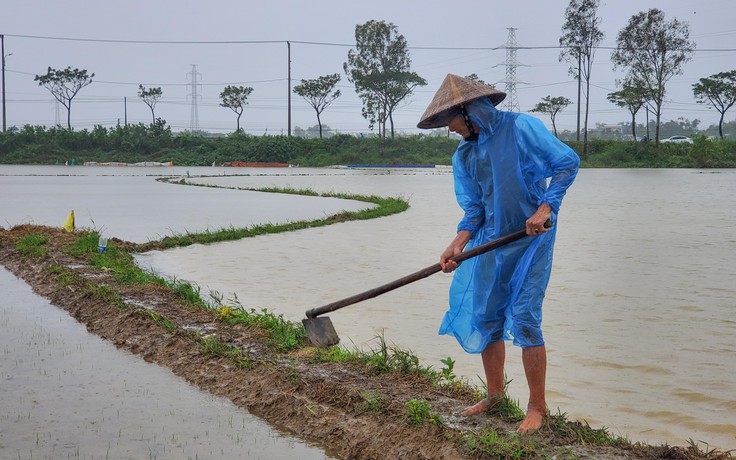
x=324 y=403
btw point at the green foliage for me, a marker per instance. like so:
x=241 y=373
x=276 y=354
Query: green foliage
x=419 y=412
x=492 y=444
x=150 y=97
x=552 y=105
x=64 y=276
x=283 y=335
x=719 y=91
x=380 y=69
x=163 y=321
x=447 y=371
x=104 y=293
x=653 y=50
x=373 y=402
x=120 y=263
x=64 y=86
x=215 y=348
x=581 y=432
x=32 y=245
x=235 y=98
x=319 y=93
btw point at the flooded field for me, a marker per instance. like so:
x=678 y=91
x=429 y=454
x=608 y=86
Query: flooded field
x=637 y=317
x=69 y=394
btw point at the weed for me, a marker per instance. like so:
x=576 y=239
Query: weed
x=283 y=335
x=64 y=276
x=294 y=377
x=32 y=245
x=188 y=293
x=447 y=371
x=492 y=444
x=581 y=433
x=104 y=293
x=213 y=347
x=419 y=412
x=373 y=402
x=160 y=319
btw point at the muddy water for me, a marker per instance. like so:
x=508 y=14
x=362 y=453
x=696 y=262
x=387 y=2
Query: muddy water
x=68 y=394
x=638 y=316
x=639 y=313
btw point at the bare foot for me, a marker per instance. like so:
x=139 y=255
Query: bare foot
x=533 y=420
x=484 y=405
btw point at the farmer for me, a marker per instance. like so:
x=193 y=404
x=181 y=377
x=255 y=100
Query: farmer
x=501 y=171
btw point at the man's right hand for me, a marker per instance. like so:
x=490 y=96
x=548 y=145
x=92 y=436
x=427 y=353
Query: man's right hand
x=455 y=248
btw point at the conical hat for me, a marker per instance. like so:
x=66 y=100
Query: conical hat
x=453 y=92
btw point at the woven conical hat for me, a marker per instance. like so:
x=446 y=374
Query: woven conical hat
x=453 y=92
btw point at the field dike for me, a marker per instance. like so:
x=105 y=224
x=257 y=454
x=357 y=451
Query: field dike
x=376 y=404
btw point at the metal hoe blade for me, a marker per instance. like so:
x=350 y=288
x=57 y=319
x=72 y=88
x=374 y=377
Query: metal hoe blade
x=320 y=331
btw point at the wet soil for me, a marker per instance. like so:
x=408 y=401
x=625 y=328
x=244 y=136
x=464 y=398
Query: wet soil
x=322 y=403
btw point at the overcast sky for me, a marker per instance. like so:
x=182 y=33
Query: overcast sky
x=117 y=41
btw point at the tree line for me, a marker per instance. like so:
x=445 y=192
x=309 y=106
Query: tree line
x=651 y=49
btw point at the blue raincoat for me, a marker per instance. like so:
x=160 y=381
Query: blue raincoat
x=500 y=181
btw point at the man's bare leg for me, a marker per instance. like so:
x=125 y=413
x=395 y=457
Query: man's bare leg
x=493 y=361
x=535 y=368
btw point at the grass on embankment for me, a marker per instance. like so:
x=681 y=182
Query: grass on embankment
x=385 y=206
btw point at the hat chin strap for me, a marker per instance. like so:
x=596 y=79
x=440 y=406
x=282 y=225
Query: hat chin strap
x=473 y=134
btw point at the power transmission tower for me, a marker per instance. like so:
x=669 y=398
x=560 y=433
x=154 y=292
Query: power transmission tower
x=512 y=103
x=194 y=94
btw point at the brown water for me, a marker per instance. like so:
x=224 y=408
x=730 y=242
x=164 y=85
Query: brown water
x=639 y=315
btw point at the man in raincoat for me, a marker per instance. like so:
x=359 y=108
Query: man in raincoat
x=510 y=173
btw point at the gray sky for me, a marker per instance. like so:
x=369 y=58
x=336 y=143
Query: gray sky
x=329 y=27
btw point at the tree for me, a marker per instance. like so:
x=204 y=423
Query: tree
x=720 y=91
x=552 y=105
x=581 y=35
x=379 y=68
x=235 y=98
x=319 y=93
x=64 y=85
x=653 y=50
x=630 y=97
x=150 y=96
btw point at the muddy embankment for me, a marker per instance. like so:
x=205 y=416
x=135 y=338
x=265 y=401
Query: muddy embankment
x=349 y=410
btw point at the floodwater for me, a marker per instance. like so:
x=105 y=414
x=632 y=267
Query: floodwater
x=639 y=311
x=70 y=394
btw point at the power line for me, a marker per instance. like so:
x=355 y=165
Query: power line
x=270 y=42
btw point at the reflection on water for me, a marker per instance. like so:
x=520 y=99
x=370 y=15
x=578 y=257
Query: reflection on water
x=638 y=315
x=69 y=394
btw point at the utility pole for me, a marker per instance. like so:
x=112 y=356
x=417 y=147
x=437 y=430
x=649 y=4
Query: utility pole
x=2 y=52
x=288 y=47
x=577 y=138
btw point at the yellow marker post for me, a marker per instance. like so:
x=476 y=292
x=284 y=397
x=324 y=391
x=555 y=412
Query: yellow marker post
x=69 y=223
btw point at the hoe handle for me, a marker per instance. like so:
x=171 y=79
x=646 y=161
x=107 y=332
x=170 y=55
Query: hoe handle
x=423 y=273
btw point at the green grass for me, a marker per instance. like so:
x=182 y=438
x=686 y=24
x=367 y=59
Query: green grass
x=32 y=245
x=282 y=335
x=374 y=402
x=64 y=276
x=213 y=347
x=386 y=206
x=491 y=443
x=419 y=412
x=581 y=432
x=160 y=319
